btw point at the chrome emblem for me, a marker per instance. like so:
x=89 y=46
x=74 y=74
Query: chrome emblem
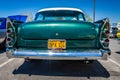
x=56 y=34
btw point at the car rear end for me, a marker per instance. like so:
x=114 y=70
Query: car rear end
x=61 y=40
x=60 y=35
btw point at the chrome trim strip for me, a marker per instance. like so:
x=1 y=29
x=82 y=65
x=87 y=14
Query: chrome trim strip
x=60 y=8
x=58 y=55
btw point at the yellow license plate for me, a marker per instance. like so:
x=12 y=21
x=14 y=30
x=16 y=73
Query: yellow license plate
x=56 y=44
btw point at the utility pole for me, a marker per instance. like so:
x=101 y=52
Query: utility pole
x=94 y=10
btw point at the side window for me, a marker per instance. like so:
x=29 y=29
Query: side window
x=81 y=18
x=39 y=17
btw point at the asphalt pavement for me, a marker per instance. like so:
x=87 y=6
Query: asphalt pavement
x=18 y=69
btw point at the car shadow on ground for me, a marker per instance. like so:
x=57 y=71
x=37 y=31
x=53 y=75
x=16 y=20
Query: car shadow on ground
x=63 y=68
x=2 y=51
x=118 y=52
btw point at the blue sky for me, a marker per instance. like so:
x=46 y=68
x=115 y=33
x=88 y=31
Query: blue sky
x=104 y=8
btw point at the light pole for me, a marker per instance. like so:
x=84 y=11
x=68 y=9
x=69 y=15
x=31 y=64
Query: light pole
x=94 y=10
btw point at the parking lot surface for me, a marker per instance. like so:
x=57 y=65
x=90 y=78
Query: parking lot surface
x=18 y=69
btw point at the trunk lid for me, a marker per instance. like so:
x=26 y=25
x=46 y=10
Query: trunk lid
x=76 y=33
x=58 y=30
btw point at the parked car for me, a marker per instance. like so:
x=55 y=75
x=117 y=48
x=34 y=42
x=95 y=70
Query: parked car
x=13 y=18
x=2 y=32
x=114 y=32
x=118 y=36
x=118 y=33
x=59 y=34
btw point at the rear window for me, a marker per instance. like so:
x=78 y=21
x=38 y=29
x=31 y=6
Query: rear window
x=60 y=15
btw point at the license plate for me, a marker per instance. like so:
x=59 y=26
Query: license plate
x=56 y=44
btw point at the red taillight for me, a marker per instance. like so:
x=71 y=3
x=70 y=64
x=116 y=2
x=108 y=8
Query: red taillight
x=107 y=32
x=106 y=40
x=8 y=31
x=8 y=39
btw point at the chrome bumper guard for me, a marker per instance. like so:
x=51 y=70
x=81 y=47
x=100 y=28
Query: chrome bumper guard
x=58 y=54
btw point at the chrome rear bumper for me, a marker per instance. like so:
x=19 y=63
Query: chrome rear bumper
x=58 y=55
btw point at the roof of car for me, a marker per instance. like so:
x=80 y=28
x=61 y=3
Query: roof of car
x=60 y=8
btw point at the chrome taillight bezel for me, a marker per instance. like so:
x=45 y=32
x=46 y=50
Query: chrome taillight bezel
x=10 y=32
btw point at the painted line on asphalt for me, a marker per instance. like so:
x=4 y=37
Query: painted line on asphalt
x=1 y=65
x=115 y=62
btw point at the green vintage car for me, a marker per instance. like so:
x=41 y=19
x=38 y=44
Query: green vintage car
x=59 y=34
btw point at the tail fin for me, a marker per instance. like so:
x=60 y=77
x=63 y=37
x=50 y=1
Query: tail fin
x=104 y=31
x=11 y=33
